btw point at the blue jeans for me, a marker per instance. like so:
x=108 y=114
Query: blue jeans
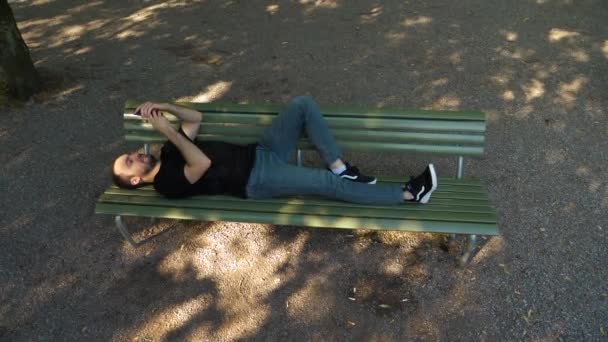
x=273 y=176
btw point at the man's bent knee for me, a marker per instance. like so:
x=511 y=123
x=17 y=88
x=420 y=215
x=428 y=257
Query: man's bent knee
x=303 y=100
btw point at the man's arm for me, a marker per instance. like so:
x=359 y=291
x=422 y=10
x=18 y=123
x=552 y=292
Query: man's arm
x=191 y=119
x=197 y=163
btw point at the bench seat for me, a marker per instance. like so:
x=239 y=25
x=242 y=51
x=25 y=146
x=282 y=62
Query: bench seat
x=458 y=206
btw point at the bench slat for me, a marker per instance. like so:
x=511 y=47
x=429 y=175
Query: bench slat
x=299 y=220
x=443 y=181
x=256 y=132
x=480 y=204
x=431 y=212
x=340 y=122
x=444 y=186
x=329 y=110
x=344 y=145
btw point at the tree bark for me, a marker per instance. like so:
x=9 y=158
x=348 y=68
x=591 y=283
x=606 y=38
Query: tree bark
x=18 y=77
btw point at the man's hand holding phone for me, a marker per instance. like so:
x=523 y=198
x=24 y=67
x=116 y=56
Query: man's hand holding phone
x=147 y=108
x=152 y=112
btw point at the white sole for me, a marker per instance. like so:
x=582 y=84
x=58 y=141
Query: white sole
x=425 y=199
x=354 y=178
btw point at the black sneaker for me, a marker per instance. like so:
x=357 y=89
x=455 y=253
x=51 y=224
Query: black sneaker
x=422 y=186
x=352 y=173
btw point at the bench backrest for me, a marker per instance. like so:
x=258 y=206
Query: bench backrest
x=355 y=129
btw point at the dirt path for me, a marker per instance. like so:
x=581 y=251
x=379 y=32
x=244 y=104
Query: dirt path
x=538 y=68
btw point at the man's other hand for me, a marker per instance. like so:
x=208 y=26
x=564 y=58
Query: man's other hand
x=146 y=109
x=159 y=121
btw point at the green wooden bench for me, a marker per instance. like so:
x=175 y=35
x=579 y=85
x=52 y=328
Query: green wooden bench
x=459 y=206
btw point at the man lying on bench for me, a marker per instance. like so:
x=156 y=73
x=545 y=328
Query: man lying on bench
x=189 y=167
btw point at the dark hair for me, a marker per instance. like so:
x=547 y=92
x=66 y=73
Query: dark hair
x=122 y=182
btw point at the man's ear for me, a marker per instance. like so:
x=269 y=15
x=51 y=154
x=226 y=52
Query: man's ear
x=135 y=180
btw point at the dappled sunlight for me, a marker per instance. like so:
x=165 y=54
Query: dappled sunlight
x=417 y=21
x=508 y=95
x=69 y=91
x=38 y=294
x=372 y=15
x=243 y=281
x=212 y=93
x=533 y=89
x=150 y=12
x=492 y=247
x=87 y=6
x=314 y=5
x=556 y=35
x=393 y=267
x=517 y=53
x=34 y=30
x=455 y=57
x=25 y=25
x=448 y=102
x=578 y=55
x=595 y=182
x=523 y=112
x=129 y=33
x=440 y=82
x=395 y=37
x=461 y=302
x=568 y=91
x=143 y=20
x=313 y=293
x=492 y=115
x=543 y=72
x=168 y=319
x=509 y=36
x=605 y=48
x=555 y=156
x=359 y=246
x=583 y=171
x=502 y=78
x=273 y=9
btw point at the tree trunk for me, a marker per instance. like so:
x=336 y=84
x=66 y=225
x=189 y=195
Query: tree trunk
x=18 y=77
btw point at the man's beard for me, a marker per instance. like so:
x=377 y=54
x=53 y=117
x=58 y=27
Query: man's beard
x=151 y=164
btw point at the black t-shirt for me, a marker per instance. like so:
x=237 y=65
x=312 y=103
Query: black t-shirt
x=231 y=165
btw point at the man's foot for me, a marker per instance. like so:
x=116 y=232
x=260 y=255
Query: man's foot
x=352 y=173
x=422 y=186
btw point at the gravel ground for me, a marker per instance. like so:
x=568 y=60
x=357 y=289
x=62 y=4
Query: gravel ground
x=538 y=68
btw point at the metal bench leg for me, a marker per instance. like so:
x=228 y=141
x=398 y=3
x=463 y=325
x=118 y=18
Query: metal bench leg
x=469 y=251
x=460 y=172
x=147 y=152
x=123 y=230
x=472 y=238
